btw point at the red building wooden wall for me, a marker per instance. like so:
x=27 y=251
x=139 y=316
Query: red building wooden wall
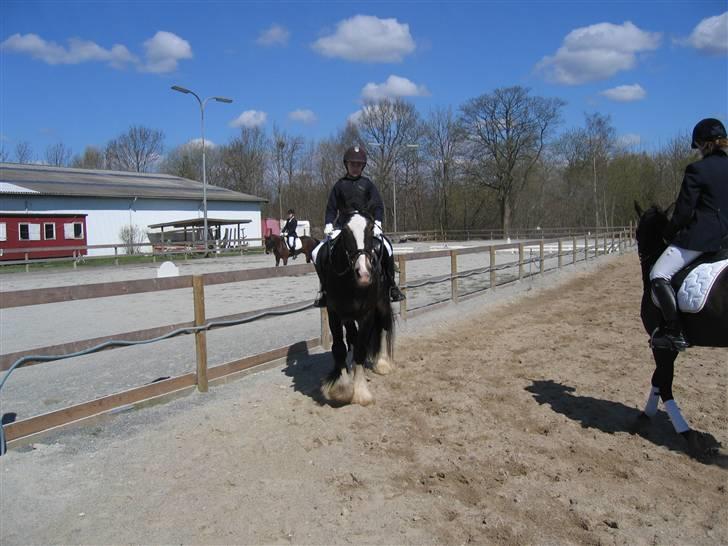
x=19 y=231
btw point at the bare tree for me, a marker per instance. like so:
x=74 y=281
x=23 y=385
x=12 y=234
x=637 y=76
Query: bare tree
x=600 y=141
x=285 y=152
x=137 y=150
x=245 y=161
x=23 y=152
x=444 y=138
x=58 y=155
x=92 y=158
x=4 y=155
x=387 y=127
x=508 y=130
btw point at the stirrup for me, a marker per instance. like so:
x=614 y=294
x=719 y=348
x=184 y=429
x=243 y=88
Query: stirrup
x=671 y=342
x=320 y=300
x=395 y=294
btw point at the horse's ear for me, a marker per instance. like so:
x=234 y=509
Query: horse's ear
x=638 y=209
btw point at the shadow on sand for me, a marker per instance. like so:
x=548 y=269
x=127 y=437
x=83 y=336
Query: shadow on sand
x=611 y=417
x=308 y=371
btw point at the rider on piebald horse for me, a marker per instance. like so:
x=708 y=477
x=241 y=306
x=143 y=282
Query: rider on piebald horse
x=289 y=232
x=699 y=224
x=355 y=192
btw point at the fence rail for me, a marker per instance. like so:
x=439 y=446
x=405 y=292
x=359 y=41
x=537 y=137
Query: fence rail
x=610 y=242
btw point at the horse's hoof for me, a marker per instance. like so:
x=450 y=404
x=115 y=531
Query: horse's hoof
x=701 y=445
x=640 y=424
x=383 y=366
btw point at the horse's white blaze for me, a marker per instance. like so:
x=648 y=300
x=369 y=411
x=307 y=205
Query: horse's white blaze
x=362 y=396
x=361 y=267
x=357 y=225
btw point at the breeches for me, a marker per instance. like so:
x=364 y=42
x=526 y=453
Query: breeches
x=672 y=260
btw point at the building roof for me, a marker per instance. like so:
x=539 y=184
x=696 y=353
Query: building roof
x=25 y=179
x=199 y=222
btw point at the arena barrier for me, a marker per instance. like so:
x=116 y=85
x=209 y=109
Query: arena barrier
x=564 y=250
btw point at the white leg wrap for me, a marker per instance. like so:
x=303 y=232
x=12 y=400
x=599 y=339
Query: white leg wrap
x=678 y=422
x=652 y=399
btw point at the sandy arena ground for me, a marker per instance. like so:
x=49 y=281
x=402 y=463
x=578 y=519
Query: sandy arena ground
x=506 y=422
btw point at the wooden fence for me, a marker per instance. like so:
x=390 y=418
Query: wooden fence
x=610 y=242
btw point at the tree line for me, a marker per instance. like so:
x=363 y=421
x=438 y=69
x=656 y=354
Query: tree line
x=498 y=162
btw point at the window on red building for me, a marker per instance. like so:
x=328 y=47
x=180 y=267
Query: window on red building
x=29 y=232
x=49 y=231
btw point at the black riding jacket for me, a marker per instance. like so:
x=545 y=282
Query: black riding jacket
x=700 y=220
x=350 y=194
x=290 y=228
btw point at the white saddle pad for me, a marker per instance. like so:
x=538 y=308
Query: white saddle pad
x=695 y=288
x=299 y=244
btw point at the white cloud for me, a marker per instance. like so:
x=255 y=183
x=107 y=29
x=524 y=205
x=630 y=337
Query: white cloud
x=273 y=36
x=394 y=87
x=197 y=143
x=355 y=117
x=597 y=52
x=78 y=51
x=711 y=35
x=629 y=140
x=304 y=116
x=625 y=93
x=366 y=38
x=249 y=118
x=164 y=50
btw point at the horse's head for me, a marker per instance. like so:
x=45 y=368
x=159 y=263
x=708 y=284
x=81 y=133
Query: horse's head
x=269 y=243
x=357 y=240
x=650 y=227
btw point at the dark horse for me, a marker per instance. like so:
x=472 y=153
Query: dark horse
x=358 y=299
x=708 y=328
x=277 y=245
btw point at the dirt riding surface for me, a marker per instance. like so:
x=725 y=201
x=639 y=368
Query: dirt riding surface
x=507 y=421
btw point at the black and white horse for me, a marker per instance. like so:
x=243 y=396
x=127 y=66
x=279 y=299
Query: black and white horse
x=706 y=328
x=357 y=299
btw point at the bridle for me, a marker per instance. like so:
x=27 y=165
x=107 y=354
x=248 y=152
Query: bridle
x=351 y=258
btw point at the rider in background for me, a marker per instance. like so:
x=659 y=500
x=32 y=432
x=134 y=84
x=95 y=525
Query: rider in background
x=289 y=232
x=699 y=224
x=355 y=192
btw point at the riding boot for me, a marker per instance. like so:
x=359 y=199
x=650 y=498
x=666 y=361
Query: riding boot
x=395 y=294
x=670 y=335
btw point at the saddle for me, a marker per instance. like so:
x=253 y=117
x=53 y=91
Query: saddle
x=693 y=283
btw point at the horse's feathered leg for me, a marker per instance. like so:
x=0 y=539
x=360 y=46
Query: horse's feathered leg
x=362 y=395
x=338 y=386
x=384 y=364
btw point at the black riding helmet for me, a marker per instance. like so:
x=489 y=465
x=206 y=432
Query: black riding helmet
x=707 y=130
x=356 y=154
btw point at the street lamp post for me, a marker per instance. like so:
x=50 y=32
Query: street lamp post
x=394 y=182
x=202 y=125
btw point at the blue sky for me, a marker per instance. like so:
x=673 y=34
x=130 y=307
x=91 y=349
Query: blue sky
x=83 y=72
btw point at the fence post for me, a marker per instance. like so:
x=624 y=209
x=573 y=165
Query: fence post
x=198 y=292
x=596 y=243
x=116 y=255
x=453 y=275
x=520 y=260
x=605 y=243
x=561 y=261
x=492 y=268
x=325 y=330
x=403 y=286
x=586 y=247
x=573 y=250
x=75 y=259
x=27 y=262
x=541 y=264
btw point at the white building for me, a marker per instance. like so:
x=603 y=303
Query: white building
x=112 y=200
